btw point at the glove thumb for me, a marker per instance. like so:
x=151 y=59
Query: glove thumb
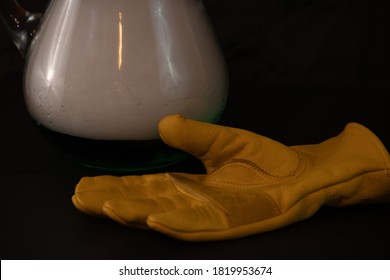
x=216 y=145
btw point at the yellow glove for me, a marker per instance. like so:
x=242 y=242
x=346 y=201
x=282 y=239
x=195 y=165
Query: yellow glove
x=253 y=184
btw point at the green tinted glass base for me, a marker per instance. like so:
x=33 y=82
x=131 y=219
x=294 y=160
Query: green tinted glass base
x=117 y=156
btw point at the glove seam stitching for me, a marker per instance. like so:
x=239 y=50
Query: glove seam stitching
x=258 y=171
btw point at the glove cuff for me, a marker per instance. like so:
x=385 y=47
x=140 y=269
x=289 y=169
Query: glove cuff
x=370 y=160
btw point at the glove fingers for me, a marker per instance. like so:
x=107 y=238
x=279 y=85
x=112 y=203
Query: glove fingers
x=89 y=203
x=92 y=192
x=99 y=183
x=131 y=212
x=135 y=211
x=188 y=223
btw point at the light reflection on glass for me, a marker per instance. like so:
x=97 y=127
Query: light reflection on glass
x=164 y=39
x=120 y=43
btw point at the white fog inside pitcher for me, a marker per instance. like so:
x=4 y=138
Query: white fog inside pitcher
x=107 y=73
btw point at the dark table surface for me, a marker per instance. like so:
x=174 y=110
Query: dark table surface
x=39 y=220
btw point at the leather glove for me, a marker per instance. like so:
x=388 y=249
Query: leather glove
x=253 y=184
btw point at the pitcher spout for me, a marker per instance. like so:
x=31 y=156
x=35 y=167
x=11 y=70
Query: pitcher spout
x=20 y=24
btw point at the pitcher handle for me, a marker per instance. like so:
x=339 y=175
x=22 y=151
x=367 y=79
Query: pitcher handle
x=20 y=24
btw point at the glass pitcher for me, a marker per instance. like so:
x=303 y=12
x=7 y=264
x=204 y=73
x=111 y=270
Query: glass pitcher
x=100 y=74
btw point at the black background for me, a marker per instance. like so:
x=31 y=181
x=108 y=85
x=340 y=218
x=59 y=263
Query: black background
x=299 y=70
